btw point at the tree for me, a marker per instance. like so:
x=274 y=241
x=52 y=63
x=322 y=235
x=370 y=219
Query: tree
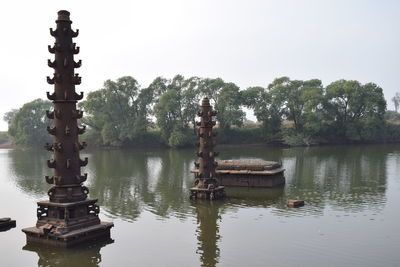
x=227 y=101
x=28 y=124
x=312 y=115
x=116 y=112
x=191 y=97
x=121 y=113
x=392 y=115
x=293 y=100
x=168 y=113
x=9 y=115
x=211 y=88
x=176 y=109
x=298 y=100
x=396 y=101
x=265 y=109
x=354 y=107
x=228 y=107
x=146 y=101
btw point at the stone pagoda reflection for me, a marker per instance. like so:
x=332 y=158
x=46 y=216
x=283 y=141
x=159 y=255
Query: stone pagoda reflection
x=69 y=217
x=88 y=256
x=208 y=232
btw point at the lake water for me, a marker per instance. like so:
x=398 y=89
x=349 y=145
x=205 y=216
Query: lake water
x=351 y=216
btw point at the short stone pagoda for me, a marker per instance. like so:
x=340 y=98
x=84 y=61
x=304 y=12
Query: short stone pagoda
x=69 y=217
x=206 y=184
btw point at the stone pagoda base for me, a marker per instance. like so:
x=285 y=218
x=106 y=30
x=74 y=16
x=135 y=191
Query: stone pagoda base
x=207 y=193
x=6 y=224
x=68 y=224
x=84 y=235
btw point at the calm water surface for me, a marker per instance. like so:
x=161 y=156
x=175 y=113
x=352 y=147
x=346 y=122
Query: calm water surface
x=351 y=217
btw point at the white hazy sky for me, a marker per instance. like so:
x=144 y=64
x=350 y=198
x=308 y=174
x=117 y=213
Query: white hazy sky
x=247 y=42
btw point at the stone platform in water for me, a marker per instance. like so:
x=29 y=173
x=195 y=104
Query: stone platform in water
x=90 y=234
x=249 y=173
x=6 y=224
x=294 y=203
x=68 y=224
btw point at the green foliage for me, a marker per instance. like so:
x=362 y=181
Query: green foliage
x=285 y=99
x=168 y=113
x=396 y=101
x=164 y=113
x=152 y=138
x=298 y=101
x=295 y=139
x=118 y=111
x=178 y=105
x=227 y=101
x=228 y=109
x=392 y=132
x=355 y=109
x=181 y=138
x=346 y=111
x=9 y=115
x=4 y=137
x=265 y=109
x=391 y=115
x=244 y=135
x=28 y=124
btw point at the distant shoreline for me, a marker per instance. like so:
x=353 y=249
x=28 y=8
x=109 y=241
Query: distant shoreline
x=7 y=145
x=105 y=148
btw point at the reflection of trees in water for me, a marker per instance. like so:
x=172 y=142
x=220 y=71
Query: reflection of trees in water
x=123 y=181
x=29 y=168
x=253 y=197
x=351 y=177
x=209 y=215
x=118 y=181
x=172 y=197
x=128 y=181
x=80 y=256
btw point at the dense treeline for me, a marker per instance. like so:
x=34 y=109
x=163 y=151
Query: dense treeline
x=164 y=113
x=27 y=125
x=122 y=114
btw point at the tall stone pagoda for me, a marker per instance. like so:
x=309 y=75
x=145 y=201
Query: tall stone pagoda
x=69 y=217
x=206 y=184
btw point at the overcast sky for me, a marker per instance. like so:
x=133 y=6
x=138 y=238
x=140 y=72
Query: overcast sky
x=247 y=42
